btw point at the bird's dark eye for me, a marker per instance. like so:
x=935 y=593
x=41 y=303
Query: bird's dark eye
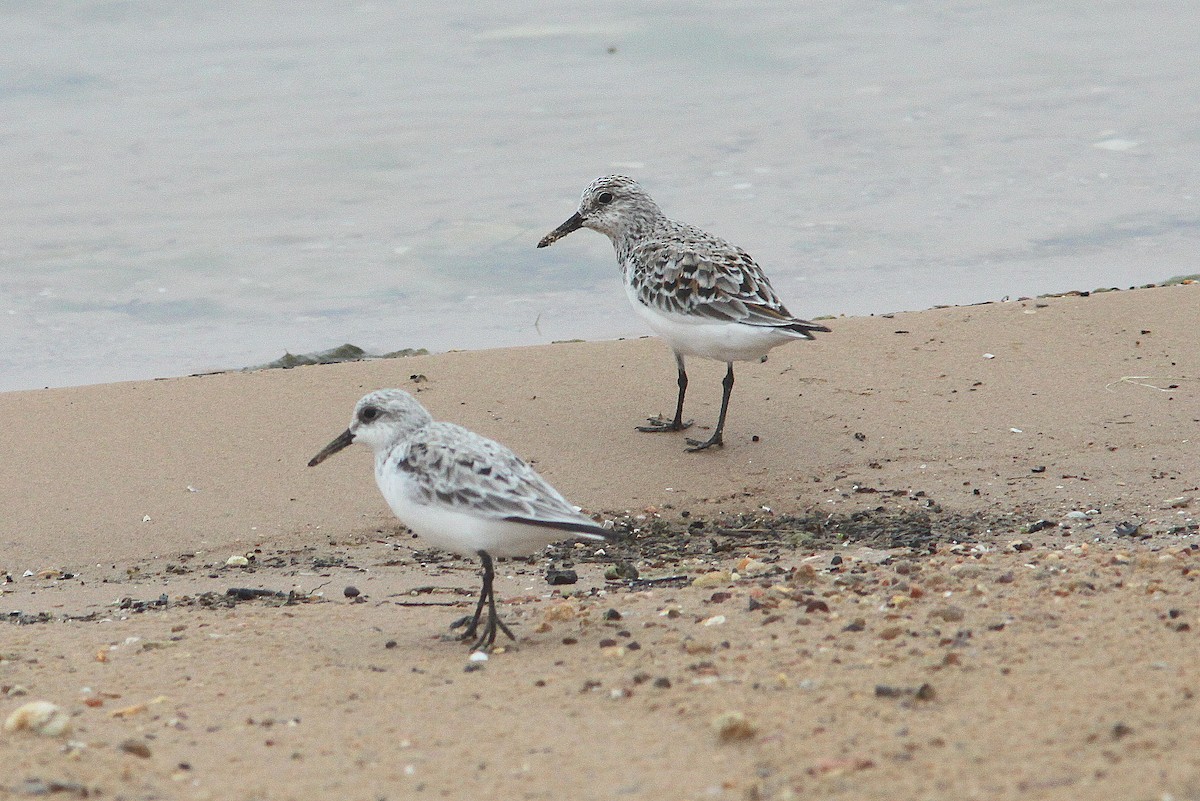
x=368 y=414
x=604 y=197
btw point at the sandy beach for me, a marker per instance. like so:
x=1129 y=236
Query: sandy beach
x=946 y=554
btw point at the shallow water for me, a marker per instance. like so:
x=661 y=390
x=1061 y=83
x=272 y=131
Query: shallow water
x=188 y=187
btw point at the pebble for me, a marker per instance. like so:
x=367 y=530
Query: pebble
x=557 y=578
x=137 y=748
x=1077 y=515
x=350 y=592
x=560 y=612
x=949 y=613
x=237 y=560
x=732 y=727
x=39 y=717
x=716 y=578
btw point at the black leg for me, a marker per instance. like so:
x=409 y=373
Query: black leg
x=472 y=621
x=715 y=439
x=658 y=423
x=488 y=638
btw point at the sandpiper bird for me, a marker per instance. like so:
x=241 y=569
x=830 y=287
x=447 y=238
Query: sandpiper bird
x=704 y=296
x=460 y=491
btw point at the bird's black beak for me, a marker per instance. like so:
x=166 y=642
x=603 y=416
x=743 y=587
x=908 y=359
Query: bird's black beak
x=343 y=440
x=573 y=224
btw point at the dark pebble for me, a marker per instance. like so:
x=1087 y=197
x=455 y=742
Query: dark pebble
x=1039 y=469
x=662 y=682
x=560 y=577
x=612 y=614
x=137 y=748
x=471 y=667
x=390 y=644
x=350 y=592
x=608 y=643
x=1126 y=529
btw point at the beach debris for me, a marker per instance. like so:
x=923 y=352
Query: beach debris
x=1077 y=515
x=341 y=353
x=33 y=787
x=39 y=717
x=137 y=709
x=839 y=765
x=621 y=571
x=925 y=692
x=1177 y=503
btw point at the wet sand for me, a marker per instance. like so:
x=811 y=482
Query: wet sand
x=944 y=554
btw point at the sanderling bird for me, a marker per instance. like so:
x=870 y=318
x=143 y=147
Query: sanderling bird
x=704 y=296
x=460 y=492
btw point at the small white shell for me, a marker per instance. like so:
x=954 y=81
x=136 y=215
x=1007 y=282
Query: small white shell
x=39 y=717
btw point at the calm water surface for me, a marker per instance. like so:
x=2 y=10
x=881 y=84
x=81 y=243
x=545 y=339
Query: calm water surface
x=194 y=185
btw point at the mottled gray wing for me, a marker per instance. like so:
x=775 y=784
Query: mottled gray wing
x=458 y=469
x=696 y=274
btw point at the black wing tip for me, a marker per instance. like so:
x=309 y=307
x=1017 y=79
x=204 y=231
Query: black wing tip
x=806 y=329
x=589 y=530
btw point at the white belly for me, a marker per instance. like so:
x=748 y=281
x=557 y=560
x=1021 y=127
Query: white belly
x=699 y=336
x=461 y=532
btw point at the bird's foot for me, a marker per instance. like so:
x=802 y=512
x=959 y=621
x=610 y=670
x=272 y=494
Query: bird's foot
x=660 y=423
x=471 y=622
x=704 y=444
x=488 y=638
